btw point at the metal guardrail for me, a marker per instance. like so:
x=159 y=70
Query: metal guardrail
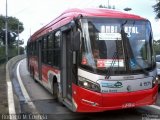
x=2 y=60
x=9 y=66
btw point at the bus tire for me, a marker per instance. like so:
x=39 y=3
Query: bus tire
x=56 y=92
x=59 y=98
x=55 y=87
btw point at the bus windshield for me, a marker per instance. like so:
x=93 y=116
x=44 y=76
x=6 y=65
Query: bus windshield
x=116 y=45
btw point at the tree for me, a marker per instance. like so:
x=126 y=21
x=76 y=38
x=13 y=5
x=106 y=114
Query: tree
x=108 y=7
x=11 y=37
x=157 y=9
x=13 y=25
x=156 y=44
x=127 y=9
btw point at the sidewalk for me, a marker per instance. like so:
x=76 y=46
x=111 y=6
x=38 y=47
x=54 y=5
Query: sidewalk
x=3 y=90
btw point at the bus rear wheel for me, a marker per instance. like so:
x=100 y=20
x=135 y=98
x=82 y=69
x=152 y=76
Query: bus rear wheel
x=56 y=92
x=55 y=87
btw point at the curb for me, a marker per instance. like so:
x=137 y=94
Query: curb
x=9 y=66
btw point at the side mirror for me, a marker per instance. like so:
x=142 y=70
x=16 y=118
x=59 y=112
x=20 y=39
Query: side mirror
x=76 y=41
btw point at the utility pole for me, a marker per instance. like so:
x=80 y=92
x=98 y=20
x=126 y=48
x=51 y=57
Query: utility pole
x=18 y=39
x=30 y=32
x=108 y=3
x=6 y=32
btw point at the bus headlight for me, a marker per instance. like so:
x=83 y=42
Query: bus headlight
x=85 y=83
x=155 y=81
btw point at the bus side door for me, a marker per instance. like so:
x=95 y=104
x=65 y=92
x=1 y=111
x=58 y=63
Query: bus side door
x=66 y=65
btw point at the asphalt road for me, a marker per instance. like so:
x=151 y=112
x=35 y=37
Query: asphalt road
x=43 y=103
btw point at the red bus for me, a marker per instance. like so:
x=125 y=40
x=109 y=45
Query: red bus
x=95 y=60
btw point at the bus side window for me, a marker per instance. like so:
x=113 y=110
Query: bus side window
x=42 y=55
x=44 y=50
x=49 y=49
x=35 y=48
x=32 y=48
x=56 y=49
x=57 y=39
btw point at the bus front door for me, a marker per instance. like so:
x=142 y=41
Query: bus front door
x=67 y=65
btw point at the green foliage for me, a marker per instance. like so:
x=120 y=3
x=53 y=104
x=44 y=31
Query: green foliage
x=2 y=52
x=2 y=22
x=21 y=50
x=13 y=26
x=108 y=7
x=157 y=9
x=127 y=9
x=156 y=45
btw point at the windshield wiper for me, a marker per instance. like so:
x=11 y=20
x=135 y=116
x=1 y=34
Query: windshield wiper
x=112 y=65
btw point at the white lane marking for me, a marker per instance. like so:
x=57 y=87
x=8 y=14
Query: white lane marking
x=11 y=105
x=155 y=107
x=25 y=93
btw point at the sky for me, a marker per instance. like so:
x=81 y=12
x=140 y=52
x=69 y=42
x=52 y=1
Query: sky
x=34 y=14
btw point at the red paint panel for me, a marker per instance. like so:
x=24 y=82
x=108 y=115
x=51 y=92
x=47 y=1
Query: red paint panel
x=139 y=98
x=45 y=69
x=111 y=101
x=87 y=95
x=44 y=73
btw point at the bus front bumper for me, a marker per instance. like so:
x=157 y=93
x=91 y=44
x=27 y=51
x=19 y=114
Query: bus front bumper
x=88 y=101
